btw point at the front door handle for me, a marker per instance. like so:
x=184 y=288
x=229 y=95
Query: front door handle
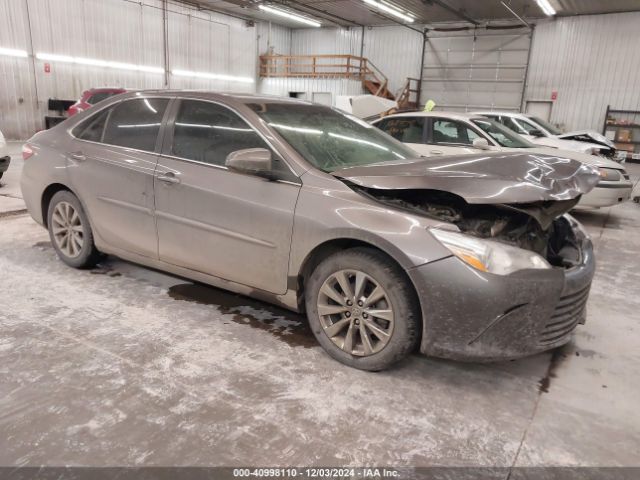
x=77 y=156
x=436 y=152
x=168 y=177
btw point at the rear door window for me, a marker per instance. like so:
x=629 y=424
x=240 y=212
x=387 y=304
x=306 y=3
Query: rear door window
x=207 y=132
x=404 y=129
x=136 y=123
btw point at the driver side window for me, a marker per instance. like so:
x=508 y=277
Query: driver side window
x=207 y=132
x=452 y=132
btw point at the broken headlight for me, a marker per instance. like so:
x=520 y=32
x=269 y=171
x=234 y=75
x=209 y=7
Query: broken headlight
x=488 y=255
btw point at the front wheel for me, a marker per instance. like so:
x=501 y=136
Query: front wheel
x=363 y=309
x=70 y=231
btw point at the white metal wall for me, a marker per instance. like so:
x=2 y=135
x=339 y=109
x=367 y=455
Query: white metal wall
x=125 y=31
x=591 y=61
x=18 y=104
x=396 y=52
x=468 y=70
x=275 y=37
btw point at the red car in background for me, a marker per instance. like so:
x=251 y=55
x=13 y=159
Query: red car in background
x=91 y=97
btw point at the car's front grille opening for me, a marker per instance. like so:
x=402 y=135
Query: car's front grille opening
x=566 y=316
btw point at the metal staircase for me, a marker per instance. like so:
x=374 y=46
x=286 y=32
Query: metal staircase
x=341 y=66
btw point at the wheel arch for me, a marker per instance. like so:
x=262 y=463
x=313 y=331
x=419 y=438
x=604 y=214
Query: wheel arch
x=47 y=195
x=329 y=247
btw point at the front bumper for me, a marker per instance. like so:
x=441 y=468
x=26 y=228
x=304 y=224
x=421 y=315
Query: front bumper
x=472 y=315
x=607 y=194
x=4 y=163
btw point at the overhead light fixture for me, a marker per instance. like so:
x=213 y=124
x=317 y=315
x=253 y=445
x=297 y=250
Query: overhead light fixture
x=12 y=52
x=93 y=62
x=290 y=16
x=211 y=76
x=546 y=7
x=390 y=10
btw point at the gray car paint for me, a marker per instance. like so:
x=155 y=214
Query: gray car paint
x=483 y=178
x=295 y=218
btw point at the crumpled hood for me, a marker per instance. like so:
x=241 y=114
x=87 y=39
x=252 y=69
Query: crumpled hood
x=593 y=160
x=596 y=137
x=489 y=178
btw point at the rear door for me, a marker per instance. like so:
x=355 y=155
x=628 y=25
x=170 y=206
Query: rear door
x=111 y=166
x=232 y=225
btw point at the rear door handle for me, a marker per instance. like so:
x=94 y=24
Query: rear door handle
x=168 y=177
x=436 y=152
x=77 y=156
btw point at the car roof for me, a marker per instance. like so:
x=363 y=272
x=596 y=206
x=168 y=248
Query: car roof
x=506 y=114
x=211 y=95
x=107 y=89
x=451 y=115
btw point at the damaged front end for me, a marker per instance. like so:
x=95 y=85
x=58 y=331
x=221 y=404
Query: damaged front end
x=537 y=226
x=517 y=199
x=519 y=275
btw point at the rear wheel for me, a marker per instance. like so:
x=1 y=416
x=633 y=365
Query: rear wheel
x=70 y=231
x=363 y=309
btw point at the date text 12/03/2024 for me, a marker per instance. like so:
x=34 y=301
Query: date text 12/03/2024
x=292 y=472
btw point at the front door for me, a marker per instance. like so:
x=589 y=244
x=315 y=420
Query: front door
x=451 y=137
x=111 y=165
x=214 y=220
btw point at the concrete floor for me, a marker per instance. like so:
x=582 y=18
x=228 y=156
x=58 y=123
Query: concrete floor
x=126 y=366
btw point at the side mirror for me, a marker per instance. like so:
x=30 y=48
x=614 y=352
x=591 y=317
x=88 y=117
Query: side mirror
x=481 y=143
x=536 y=133
x=256 y=161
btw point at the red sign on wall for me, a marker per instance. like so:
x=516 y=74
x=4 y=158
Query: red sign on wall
x=554 y=95
x=47 y=68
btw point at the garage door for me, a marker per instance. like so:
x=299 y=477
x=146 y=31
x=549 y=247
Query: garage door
x=465 y=71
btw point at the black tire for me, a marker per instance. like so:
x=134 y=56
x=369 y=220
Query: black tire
x=1 y=174
x=87 y=255
x=405 y=333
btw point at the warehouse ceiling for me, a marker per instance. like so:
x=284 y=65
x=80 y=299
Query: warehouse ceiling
x=357 y=12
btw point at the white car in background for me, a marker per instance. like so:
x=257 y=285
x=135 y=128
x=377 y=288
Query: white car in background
x=5 y=159
x=541 y=132
x=446 y=133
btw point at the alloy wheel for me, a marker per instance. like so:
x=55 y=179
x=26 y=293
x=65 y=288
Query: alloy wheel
x=67 y=229
x=355 y=312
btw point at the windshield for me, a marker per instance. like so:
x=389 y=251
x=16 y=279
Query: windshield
x=329 y=139
x=552 y=129
x=504 y=136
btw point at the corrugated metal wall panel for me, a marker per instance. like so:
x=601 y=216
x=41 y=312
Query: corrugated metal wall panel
x=18 y=105
x=319 y=41
x=125 y=31
x=273 y=36
x=396 y=52
x=92 y=34
x=592 y=62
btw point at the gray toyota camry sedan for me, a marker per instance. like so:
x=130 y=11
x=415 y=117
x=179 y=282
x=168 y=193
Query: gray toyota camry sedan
x=471 y=257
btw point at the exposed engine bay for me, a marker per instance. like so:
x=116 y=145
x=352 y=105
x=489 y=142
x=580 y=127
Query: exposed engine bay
x=537 y=226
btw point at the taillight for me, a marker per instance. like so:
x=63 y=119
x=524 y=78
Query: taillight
x=27 y=152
